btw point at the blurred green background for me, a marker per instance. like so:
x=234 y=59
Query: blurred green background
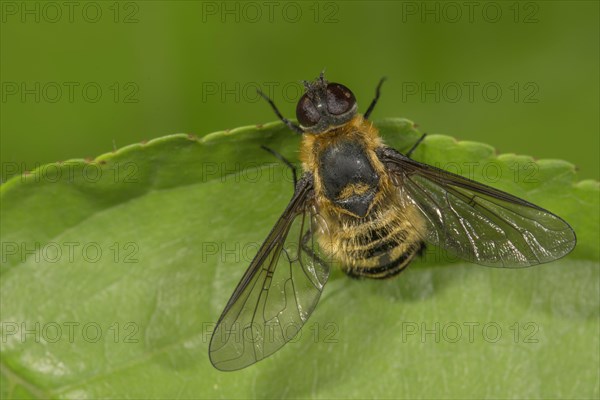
x=78 y=79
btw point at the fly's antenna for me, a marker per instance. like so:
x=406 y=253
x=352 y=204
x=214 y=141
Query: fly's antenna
x=322 y=75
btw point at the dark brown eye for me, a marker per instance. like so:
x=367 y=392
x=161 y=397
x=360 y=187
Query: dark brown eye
x=306 y=112
x=339 y=99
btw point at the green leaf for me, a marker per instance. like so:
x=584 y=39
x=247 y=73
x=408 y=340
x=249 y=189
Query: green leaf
x=114 y=271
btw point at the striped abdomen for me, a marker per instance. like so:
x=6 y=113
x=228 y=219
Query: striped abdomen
x=378 y=246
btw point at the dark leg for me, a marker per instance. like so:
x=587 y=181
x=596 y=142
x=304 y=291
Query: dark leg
x=307 y=235
x=422 y=249
x=285 y=161
x=290 y=124
x=377 y=93
x=415 y=145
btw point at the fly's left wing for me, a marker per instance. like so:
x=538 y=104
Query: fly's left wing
x=474 y=221
x=278 y=292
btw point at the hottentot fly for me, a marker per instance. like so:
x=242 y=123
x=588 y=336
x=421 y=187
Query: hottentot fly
x=369 y=209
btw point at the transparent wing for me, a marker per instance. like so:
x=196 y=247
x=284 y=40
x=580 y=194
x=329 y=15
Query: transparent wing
x=474 y=221
x=278 y=292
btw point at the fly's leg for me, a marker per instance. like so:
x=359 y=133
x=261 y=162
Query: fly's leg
x=415 y=145
x=285 y=161
x=290 y=124
x=304 y=243
x=377 y=93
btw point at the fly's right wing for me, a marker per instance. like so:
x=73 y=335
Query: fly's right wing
x=278 y=292
x=474 y=221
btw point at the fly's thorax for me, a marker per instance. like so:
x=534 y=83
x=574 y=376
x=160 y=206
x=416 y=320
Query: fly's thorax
x=347 y=177
x=357 y=129
x=348 y=174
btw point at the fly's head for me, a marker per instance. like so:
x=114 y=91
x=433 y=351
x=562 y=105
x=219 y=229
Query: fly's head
x=325 y=106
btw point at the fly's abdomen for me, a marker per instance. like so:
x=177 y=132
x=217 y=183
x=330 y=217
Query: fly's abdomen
x=379 y=246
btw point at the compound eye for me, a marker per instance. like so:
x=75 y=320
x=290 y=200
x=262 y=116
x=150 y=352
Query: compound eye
x=339 y=99
x=307 y=113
